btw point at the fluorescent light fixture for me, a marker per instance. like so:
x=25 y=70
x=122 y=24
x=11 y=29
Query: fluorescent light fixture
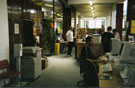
x=32 y=11
x=52 y=12
x=91 y=3
x=45 y=13
x=48 y=5
x=58 y=15
x=43 y=9
x=39 y=4
x=92 y=7
x=24 y=10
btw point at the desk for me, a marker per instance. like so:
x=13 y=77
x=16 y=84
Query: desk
x=114 y=82
x=97 y=49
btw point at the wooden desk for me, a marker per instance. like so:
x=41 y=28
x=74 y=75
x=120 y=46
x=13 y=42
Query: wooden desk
x=97 y=49
x=113 y=83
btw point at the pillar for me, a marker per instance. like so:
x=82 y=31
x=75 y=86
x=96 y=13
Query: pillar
x=119 y=18
x=130 y=14
x=66 y=20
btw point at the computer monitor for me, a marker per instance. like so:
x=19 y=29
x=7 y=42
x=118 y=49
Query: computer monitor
x=124 y=51
x=96 y=38
x=131 y=54
x=116 y=45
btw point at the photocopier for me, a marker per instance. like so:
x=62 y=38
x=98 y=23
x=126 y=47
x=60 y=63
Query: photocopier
x=31 y=63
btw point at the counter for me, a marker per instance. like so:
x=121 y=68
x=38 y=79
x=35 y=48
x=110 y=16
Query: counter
x=97 y=49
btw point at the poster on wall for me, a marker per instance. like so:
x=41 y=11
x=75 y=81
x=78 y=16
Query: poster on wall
x=132 y=30
x=16 y=26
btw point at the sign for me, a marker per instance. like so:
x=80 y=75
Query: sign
x=16 y=27
x=132 y=27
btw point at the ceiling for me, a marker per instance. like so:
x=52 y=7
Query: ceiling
x=48 y=6
x=101 y=7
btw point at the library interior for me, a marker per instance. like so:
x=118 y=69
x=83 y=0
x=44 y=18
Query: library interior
x=67 y=43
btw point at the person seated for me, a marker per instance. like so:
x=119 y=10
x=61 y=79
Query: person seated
x=88 y=65
x=59 y=38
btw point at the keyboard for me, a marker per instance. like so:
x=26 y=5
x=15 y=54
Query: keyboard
x=104 y=58
x=106 y=68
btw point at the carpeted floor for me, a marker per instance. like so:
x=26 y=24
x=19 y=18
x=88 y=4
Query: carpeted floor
x=62 y=72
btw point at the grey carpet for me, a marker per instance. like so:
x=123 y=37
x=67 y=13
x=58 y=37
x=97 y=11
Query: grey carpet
x=62 y=72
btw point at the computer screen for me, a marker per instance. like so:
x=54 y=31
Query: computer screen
x=131 y=54
x=124 y=51
x=116 y=45
x=121 y=49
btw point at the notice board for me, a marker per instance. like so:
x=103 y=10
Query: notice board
x=132 y=29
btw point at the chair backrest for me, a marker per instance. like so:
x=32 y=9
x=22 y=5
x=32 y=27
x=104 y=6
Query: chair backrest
x=4 y=64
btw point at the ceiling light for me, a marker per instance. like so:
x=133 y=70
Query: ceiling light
x=48 y=5
x=91 y=3
x=91 y=7
x=43 y=9
x=52 y=12
x=92 y=11
x=45 y=13
x=32 y=11
x=39 y=4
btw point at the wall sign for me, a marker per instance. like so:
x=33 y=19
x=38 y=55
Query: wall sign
x=132 y=30
x=16 y=26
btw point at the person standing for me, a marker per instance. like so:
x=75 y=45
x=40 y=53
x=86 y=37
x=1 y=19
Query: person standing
x=69 y=36
x=116 y=34
x=106 y=39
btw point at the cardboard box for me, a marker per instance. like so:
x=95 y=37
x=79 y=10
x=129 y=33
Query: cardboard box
x=44 y=62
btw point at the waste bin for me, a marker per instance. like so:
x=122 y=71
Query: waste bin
x=57 y=48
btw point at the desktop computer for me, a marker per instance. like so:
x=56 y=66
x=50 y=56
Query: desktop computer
x=125 y=65
x=128 y=75
x=116 y=44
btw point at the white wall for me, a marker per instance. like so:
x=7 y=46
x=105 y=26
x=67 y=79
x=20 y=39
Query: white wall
x=114 y=16
x=109 y=20
x=82 y=22
x=4 y=35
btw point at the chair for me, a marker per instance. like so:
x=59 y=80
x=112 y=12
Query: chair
x=7 y=73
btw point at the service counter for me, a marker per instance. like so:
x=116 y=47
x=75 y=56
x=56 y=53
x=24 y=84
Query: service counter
x=97 y=49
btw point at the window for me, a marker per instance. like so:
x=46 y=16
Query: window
x=94 y=23
x=91 y=24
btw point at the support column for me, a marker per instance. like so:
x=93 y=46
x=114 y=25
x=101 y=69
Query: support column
x=130 y=14
x=131 y=10
x=66 y=20
x=119 y=18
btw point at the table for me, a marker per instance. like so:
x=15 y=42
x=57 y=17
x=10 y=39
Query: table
x=113 y=83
